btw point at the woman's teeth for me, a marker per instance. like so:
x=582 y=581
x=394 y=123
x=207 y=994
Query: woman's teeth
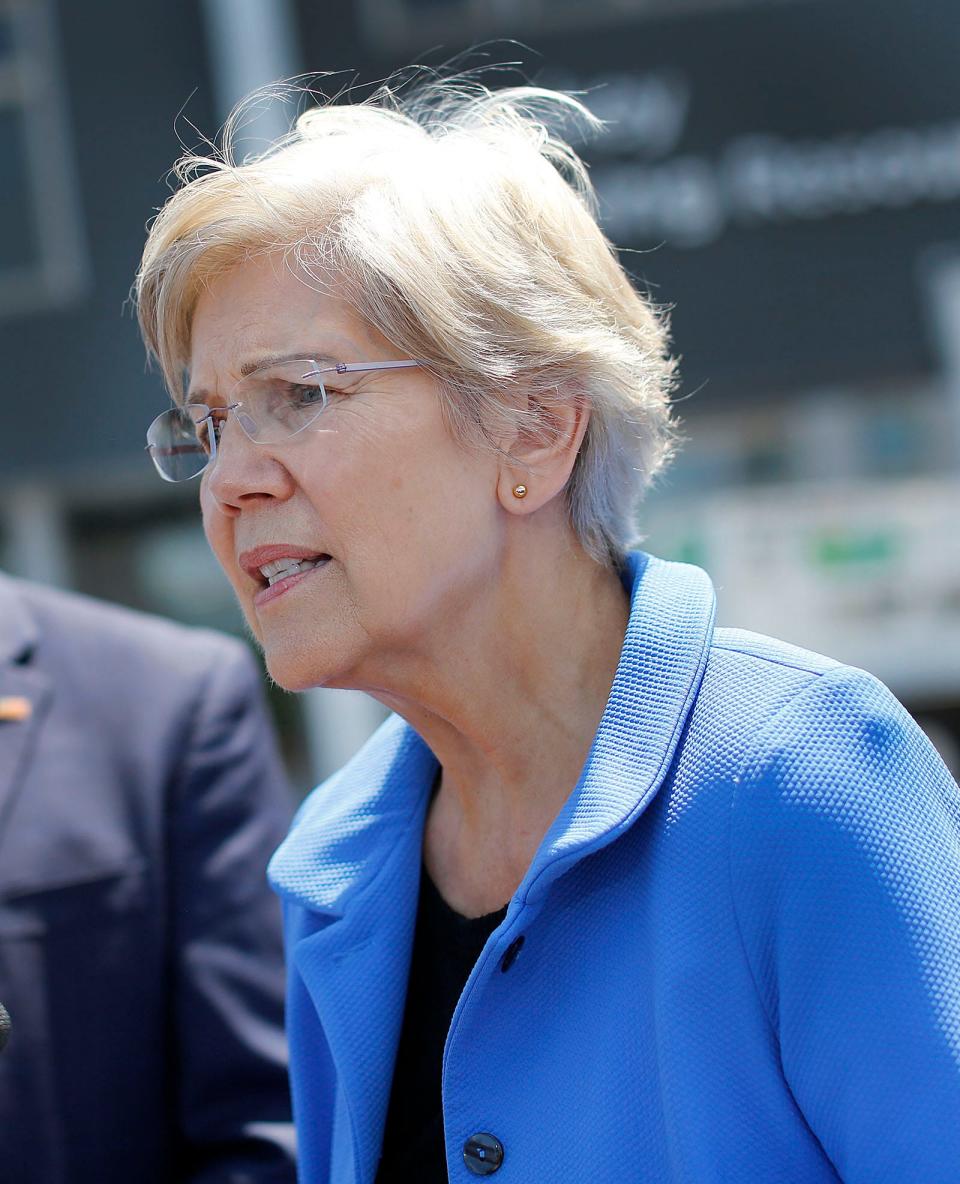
x=281 y=568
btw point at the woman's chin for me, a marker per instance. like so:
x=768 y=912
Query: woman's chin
x=294 y=671
x=290 y=683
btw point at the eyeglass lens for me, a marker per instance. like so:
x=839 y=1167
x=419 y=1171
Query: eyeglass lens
x=270 y=405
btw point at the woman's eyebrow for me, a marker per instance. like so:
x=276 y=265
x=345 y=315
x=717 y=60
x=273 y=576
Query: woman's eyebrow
x=248 y=367
x=278 y=359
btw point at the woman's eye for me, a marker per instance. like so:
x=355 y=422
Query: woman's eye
x=307 y=396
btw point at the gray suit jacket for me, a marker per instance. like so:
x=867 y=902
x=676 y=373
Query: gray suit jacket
x=140 y=797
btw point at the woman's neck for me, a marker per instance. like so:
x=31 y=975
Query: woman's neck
x=510 y=706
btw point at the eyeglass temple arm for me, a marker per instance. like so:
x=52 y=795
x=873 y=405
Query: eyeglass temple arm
x=351 y=367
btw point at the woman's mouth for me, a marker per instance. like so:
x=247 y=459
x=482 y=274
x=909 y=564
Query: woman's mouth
x=283 y=574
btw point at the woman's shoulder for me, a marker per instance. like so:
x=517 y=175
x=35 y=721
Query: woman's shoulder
x=799 y=705
x=836 y=782
x=755 y=648
x=815 y=742
x=824 y=720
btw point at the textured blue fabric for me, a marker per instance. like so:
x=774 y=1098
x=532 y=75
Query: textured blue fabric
x=742 y=954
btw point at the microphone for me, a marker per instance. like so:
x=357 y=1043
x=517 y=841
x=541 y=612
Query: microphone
x=4 y=1026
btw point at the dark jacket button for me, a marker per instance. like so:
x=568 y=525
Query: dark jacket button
x=483 y=1153
x=510 y=955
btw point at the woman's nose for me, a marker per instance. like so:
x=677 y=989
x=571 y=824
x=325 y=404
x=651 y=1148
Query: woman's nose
x=243 y=470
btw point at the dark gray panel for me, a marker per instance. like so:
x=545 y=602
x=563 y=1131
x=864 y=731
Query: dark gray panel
x=776 y=284
x=76 y=392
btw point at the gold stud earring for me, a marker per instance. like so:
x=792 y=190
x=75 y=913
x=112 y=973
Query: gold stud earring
x=520 y=491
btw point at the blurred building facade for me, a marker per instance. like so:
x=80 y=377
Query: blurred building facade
x=783 y=174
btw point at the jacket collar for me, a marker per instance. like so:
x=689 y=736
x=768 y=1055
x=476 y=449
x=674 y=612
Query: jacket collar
x=345 y=832
x=661 y=667
x=341 y=841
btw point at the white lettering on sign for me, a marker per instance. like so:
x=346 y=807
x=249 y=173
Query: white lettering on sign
x=689 y=201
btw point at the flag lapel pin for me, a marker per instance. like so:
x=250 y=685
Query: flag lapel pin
x=14 y=709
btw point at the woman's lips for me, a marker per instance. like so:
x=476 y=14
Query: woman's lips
x=266 y=595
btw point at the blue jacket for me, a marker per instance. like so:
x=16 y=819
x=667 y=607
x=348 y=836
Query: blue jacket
x=742 y=935
x=140 y=955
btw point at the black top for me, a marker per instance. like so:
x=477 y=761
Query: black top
x=445 y=948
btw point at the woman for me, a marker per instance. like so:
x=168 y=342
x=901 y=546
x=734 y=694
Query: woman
x=615 y=895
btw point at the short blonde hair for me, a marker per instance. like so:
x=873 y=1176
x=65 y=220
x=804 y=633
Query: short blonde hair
x=464 y=229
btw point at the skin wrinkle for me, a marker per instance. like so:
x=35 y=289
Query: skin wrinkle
x=477 y=617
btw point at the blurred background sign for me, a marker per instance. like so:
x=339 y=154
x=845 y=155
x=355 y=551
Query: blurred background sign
x=864 y=573
x=783 y=174
x=785 y=164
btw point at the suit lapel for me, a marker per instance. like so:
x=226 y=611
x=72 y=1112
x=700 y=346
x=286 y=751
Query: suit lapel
x=26 y=691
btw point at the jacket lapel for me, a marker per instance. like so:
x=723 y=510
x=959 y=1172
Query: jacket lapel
x=362 y=893
x=24 y=695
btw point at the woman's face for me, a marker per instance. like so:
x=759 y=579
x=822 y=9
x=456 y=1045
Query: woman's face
x=403 y=519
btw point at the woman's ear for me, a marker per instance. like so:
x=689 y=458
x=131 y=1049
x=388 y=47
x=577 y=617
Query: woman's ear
x=540 y=459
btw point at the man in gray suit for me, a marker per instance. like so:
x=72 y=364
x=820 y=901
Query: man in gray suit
x=140 y=960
